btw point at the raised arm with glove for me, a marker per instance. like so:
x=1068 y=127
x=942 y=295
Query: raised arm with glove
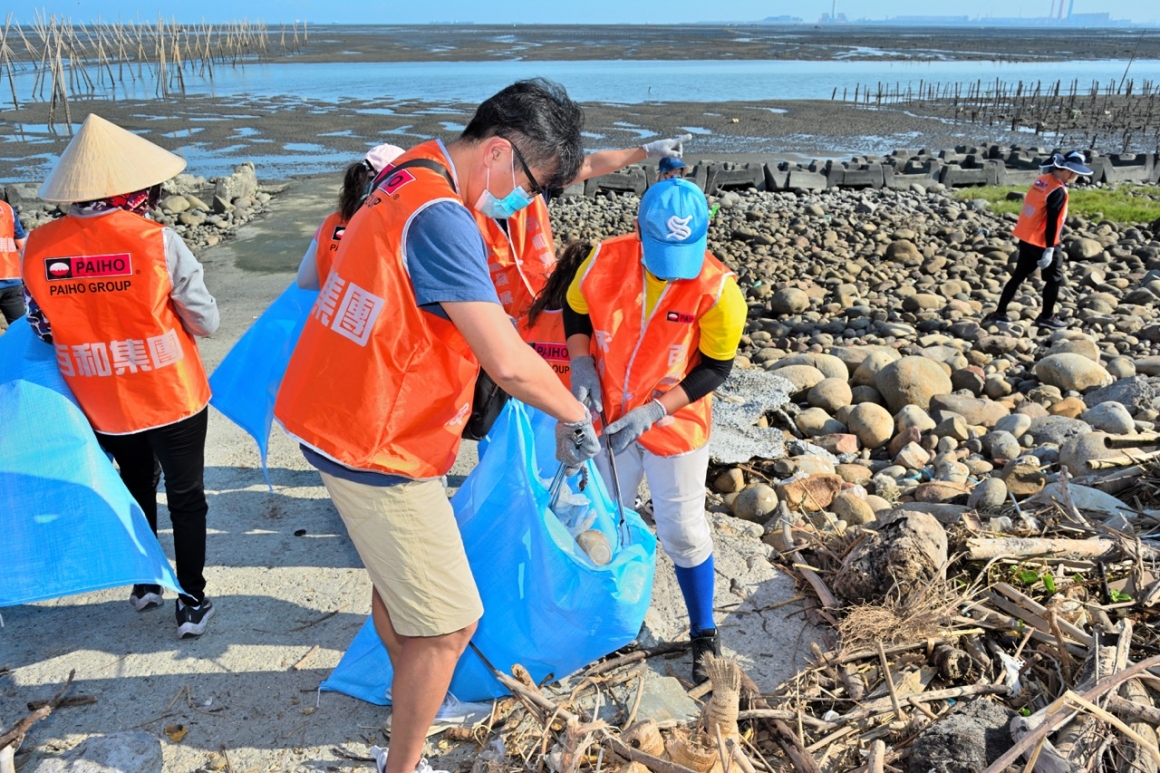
x=669 y=148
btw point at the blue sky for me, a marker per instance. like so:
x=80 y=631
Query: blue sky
x=588 y=11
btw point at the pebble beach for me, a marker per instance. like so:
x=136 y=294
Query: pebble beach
x=865 y=311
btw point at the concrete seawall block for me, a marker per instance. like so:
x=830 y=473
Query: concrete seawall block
x=733 y=176
x=631 y=179
x=804 y=180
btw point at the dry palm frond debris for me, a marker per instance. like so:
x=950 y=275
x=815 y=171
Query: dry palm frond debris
x=1044 y=616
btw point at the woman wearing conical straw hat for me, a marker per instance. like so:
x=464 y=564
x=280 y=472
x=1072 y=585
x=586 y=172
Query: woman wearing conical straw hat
x=121 y=298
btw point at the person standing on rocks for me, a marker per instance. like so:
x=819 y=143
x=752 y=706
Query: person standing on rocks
x=356 y=182
x=1038 y=230
x=379 y=385
x=521 y=252
x=12 y=239
x=121 y=298
x=653 y=323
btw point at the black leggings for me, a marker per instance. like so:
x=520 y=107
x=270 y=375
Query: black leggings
x=12 y=303
x=1025 y=266
x=180 y=448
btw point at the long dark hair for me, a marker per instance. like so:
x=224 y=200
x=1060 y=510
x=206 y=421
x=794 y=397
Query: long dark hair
x=555 y=292
x=354 y=188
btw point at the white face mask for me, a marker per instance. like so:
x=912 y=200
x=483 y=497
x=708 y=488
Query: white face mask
x=500 y=209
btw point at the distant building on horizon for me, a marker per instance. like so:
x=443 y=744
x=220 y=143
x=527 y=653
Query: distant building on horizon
x=1064 y=17
x=782 y=20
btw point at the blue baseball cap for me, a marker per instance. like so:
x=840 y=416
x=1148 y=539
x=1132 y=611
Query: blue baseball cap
x=669 y=164
x=674 y=221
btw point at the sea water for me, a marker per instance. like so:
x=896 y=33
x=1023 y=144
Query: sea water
x=619 y=81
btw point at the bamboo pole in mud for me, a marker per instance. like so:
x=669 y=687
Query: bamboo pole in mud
x=6 y=56
x=162 y=88
x=176 y=43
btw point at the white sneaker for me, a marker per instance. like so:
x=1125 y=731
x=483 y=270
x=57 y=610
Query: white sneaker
x=453 y=713
x=380 y=756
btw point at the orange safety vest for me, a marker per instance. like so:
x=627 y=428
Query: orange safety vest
x=104 y=285
x=521 y=258
x=329 y=235
x=9 y=255
x=548 y=339
x=376 y=383
x=1032 y=225
x=640 y=359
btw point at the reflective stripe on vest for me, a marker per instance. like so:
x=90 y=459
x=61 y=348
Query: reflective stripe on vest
x=1032 y=225
x=547 y=338
x=104 y=285
x=329 y=235
x=9 y=255
x=376 y=383
x=520 y=259
x=641 y=358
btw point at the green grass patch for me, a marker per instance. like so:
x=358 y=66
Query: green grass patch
x=1122 y=204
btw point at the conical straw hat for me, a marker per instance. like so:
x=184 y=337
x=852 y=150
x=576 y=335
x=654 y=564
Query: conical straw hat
x=105 y=160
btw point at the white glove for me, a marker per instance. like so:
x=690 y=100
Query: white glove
x=1048 y=256
x=670 y=148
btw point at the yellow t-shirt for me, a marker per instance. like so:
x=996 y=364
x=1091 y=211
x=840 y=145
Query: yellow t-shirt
x=721 y=327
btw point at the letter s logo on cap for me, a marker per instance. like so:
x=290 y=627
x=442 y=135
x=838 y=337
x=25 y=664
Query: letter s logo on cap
x=679 y=228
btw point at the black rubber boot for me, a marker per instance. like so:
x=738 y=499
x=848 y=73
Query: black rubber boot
x=706 y=642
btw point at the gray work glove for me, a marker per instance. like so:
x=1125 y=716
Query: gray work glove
x=586 y=383
x=621 y=433
x=670 y=148
x=1048 y=256
x=576 y=443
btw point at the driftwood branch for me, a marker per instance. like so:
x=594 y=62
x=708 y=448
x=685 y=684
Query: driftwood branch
x=984 y=548
x=655 y=764
x=15 y=736
x=1052 y=721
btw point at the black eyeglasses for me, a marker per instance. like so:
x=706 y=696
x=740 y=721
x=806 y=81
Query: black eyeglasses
x=537 y=189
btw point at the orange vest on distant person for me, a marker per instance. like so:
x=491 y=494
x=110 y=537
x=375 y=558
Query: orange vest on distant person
x=548 y=339
x=520 y=259
x=9 y=255
x=640 y=359
x=104 y=286
x=1032 y=225
x=376 y=383
x=329 y=235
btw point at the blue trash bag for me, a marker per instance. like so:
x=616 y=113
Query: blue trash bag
x=546 y=605
x=70 y=525
x=246 y=382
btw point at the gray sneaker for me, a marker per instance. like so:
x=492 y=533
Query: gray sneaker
x=192 y=620
x=145 y=597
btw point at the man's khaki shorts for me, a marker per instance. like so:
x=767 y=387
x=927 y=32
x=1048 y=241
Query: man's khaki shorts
x=409 y=542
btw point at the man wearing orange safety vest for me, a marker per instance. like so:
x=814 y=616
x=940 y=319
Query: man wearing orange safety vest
x=1038 y=230
x=379 y=386
x=12 y=239
x=653 y=323
x=521 y=254
x=121 y=298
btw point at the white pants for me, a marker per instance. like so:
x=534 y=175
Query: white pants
x=677 y=484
